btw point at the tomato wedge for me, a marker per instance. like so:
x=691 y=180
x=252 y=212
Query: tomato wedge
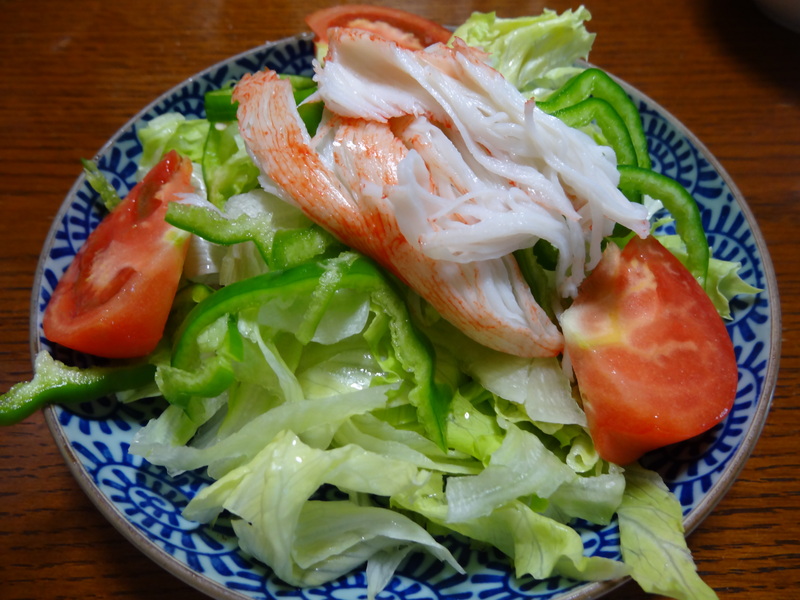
x=407 y=29
x=652 y=357
x=116 y=295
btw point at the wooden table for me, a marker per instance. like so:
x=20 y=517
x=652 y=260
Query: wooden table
x=72 y=73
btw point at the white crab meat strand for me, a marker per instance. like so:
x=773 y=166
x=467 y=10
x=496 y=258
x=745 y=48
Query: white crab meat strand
x=523 y=175
x=339 y=181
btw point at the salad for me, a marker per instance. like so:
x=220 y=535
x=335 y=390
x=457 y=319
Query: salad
x=417 y=295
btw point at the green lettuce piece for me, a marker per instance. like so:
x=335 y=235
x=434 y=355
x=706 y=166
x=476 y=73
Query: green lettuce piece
x=272 y=361
x=537 y=385
x=177 y=426
x=537 y=54
x=334 y=537
x=159 y=446
x=223 y=168
x=538 y=545
x=522 y=466
x=171 y=131
x=469 y=429
x=723 y=282
x=594 y=498
x=572 y=443
x=254 y=232
x=376 y=435
x=311 y=542
x=336 y=368
x=652 y=539
x=228 y=169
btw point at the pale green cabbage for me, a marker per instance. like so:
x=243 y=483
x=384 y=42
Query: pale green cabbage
x=537 y=54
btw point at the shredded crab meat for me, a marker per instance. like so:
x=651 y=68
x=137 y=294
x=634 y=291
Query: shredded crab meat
x=520 y=162
x=432 y=164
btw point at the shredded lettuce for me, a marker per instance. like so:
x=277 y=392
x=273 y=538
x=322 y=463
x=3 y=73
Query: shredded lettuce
x=171 y=131
x=472 y=428
x=222 y=167
x=227 y=168
x=309 y=542
x=538 y=545
x=521 y=467
x=537 y=54
x=538 y=385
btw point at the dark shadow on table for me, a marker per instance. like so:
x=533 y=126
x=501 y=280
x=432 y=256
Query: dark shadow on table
x=767 y=48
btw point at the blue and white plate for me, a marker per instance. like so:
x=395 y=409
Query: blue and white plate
x=145 y=504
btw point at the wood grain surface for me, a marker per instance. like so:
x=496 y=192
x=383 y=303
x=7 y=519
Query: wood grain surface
x=72 y=73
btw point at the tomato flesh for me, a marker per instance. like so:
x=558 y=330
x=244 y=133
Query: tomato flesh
x=406 y=29
x=653 y=359
x=116 y=295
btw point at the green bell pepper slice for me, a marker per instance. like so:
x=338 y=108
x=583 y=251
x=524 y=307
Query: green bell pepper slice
x=56 y=383
x=280 y=248
x=221 y=108
x=219 y=105
x=635 y=181
x=608 y=120
x=598 y=84
x=211 y=377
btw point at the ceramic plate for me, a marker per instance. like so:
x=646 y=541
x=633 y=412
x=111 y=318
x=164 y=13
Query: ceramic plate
x=145 y=504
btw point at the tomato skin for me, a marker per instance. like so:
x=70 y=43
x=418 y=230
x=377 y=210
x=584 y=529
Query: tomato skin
x=115 y=297
x=653 y=359
x=376 y=18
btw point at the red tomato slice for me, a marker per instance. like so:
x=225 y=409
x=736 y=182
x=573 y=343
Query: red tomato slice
x=407 y=29
x=652 y=357
x=116 y=295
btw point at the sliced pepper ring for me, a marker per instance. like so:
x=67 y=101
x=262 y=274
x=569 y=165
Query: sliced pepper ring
x=598 y=84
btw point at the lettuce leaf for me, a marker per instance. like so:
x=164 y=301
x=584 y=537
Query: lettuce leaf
x=171 y=131
x=228 y=169
x=469 y=428
x=376 y=435
x=522 y=466
x=652 y=539
x=537 y=54
x=160 y=446
x=309 y=542
x=538 y=386
x=538 y=545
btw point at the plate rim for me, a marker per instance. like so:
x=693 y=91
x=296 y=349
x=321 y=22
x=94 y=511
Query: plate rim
x=587 y=591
